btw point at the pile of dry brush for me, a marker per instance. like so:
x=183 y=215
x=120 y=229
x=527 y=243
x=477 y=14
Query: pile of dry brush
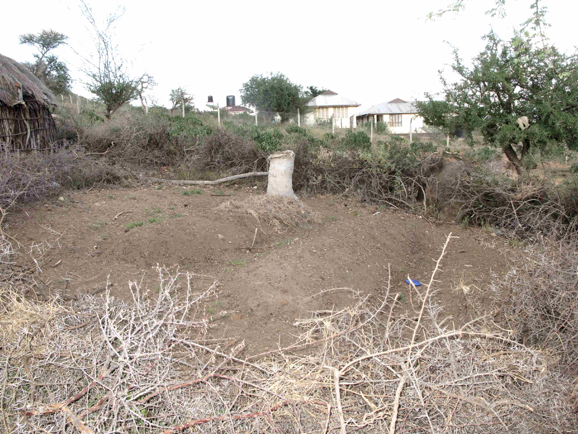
x=98 y=364
x=33 y=176
x=523 y=208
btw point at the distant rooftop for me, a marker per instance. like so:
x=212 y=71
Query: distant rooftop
x=332 y=99
x=396 y=106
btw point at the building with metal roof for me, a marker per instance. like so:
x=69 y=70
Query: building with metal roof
x=400 y=116
x=331 y=107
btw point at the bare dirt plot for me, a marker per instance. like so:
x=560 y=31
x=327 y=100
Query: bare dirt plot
x=87 y=239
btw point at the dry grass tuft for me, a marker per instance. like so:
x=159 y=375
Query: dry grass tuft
x=279 y=213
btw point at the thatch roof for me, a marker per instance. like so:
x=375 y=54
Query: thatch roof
x=18 y=83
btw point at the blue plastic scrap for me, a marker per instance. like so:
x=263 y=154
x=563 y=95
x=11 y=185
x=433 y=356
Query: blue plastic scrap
x=415 y=282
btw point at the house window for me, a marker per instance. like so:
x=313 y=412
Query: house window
x=395 y=120
x=340 y=112
x=322 y=113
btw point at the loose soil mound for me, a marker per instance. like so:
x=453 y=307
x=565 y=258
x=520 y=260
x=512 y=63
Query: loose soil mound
x=79 y=244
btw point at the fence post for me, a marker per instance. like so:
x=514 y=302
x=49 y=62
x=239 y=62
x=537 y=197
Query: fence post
x=371 y=131
x=256 y=117
x=70 y=96
x=410 y=131
x=448 y=141
x=298 y=118
x=183 y=107
x=218 y=114
x=77 y=104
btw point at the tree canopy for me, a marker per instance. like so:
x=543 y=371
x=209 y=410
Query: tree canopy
x=273 y=93
x=48 y=67
x=108 y=77
x=515 y=92
x=314 y=91
x=180 y=97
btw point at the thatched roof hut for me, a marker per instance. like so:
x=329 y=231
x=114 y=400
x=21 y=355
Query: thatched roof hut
x=25 y=120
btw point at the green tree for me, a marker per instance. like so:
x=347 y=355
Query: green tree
x=180 y=97
x=48 y=67
x=314 y=91
x=533 y=27
x=513 y=93
x=273 y=93
x=108 y=77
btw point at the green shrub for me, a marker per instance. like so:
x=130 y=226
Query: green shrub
x=356 y=140
x=294 y=129
x=188 y=126
x=268 y=140
x=481 y=155
x=424 y=147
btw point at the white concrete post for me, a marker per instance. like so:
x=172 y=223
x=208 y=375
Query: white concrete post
x=410 y=132
x=448 y=141
x=371 y=131
x=280 y=178
x=256 y=117
x=183 y=107
x=298 y=118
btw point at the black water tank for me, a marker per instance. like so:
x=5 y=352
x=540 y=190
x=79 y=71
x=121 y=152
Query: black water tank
x=210 y=98
x=230 y=100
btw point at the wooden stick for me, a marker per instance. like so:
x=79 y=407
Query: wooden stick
x=187 y=425
x=336 y=375
x=218 y=181
x=77 y=422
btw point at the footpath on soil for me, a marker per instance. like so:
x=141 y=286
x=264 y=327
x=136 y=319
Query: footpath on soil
x=84 y=240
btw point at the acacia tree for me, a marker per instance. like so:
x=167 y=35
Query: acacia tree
x=108 y=77
x=180 y=97
x=146 y=83
x=273 y=93
x=513 y=93
x=48 y=67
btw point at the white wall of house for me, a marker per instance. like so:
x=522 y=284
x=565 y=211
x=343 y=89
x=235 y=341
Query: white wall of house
x=416 y=122
x=341 y=114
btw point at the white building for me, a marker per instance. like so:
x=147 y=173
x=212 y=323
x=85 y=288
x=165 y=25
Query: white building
x=330 y=106
x=400 y=116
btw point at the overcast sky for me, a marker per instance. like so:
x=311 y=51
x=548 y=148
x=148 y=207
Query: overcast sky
x=368 y=51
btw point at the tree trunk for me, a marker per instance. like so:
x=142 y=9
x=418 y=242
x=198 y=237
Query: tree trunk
x=525 y=148
x=513 y=157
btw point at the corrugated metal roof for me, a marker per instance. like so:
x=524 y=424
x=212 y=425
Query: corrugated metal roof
x=386 y=108
x=334 y=100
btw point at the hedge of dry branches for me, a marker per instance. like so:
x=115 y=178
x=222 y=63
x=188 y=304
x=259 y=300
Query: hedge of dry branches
x=101 y=365
x=523 y=209
x=366 y=177
x=543 y=308
x=33 y=176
